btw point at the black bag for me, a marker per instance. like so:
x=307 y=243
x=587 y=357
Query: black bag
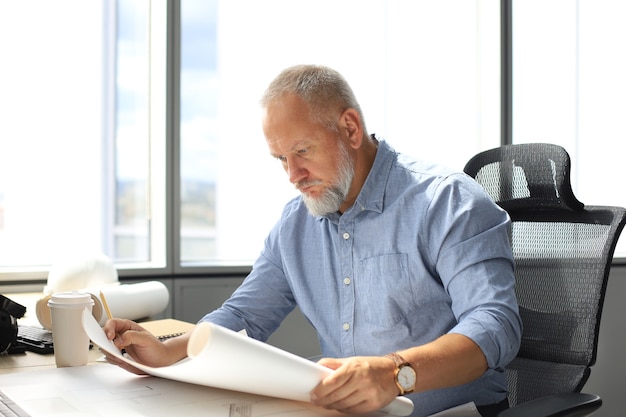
x=10 y=311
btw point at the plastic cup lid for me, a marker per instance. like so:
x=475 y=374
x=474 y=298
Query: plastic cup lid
x=70 y=298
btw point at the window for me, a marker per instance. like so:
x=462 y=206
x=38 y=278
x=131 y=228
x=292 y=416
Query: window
x=128 y=133
x=80 y=171
x=199 y=118
x=426 y=74
x=569 y=89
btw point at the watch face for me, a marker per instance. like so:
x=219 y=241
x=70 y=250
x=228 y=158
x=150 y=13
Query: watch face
x=406 y=378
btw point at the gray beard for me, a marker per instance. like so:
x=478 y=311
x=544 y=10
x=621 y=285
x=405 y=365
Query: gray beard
x=330 y=201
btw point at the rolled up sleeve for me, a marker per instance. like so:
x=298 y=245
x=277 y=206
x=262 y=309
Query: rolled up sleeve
x=475 y=264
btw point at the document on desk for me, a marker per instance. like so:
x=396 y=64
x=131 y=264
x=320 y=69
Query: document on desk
x=221 y=358
x=103 y=390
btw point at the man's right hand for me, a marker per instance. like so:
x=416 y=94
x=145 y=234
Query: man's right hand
x=143 y=347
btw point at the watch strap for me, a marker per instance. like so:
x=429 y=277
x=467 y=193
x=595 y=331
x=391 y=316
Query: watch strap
x=400 y=362
x=396 y=358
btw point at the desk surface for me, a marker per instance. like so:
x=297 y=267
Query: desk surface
x=29 y=360
x=19 y=362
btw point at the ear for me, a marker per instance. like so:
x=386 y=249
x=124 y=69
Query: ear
x=350 y=122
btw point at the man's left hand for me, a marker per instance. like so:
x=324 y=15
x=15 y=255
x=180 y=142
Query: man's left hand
x=359 y=384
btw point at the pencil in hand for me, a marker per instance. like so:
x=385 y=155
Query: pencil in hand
x=105 y=305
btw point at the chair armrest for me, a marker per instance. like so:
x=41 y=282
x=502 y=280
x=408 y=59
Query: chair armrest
x=561 y=405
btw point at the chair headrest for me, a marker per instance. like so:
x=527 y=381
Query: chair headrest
x=522 y=176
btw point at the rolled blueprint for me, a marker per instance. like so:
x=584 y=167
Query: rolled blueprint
x=221 y=358
x=81 y=271
x=134 y=301
x=126 y=301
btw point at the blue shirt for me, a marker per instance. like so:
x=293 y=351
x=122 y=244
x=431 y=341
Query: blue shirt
x=421 y=253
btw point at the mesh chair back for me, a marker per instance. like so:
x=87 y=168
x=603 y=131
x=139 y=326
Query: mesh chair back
x=563 y=252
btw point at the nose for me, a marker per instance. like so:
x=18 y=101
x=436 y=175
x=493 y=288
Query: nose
x=295 y=170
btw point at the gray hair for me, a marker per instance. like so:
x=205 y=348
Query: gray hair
x=324 y=90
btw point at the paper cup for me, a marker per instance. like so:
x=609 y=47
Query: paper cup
x=71 y=343
x=42 y=310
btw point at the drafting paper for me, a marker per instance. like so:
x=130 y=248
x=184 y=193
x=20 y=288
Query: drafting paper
x=101 y=390
x=219 y=357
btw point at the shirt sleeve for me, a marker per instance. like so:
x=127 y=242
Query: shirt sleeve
x=469 y=237
x=265 y=286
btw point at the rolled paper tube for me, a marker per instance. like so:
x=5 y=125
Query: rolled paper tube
x=127 y=301
x=134 y=301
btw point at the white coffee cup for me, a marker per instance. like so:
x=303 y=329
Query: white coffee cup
x=71 y=343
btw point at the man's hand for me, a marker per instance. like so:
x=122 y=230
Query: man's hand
x=141 y=345
x=362 y=384
x=359 y=384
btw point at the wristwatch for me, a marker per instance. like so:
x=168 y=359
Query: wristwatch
x=405 y=375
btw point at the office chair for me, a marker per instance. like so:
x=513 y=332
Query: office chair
x=563 y=252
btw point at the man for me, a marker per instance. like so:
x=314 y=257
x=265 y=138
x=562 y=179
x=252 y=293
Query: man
x=403 y=268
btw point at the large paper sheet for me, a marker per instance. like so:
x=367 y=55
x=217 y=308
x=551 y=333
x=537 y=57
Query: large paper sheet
x=101 y=390
x=219 y=357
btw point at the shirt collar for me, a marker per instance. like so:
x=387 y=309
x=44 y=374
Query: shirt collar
x=372 y=193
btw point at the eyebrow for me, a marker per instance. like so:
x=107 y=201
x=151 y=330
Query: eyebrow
x=306 y=143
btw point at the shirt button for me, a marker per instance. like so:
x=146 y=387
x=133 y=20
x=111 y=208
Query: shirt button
x=346 y=235
x=346 y=281
x=346 y=326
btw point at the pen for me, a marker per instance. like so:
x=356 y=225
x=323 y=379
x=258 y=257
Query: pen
x=109 y=315
x=106 y=306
